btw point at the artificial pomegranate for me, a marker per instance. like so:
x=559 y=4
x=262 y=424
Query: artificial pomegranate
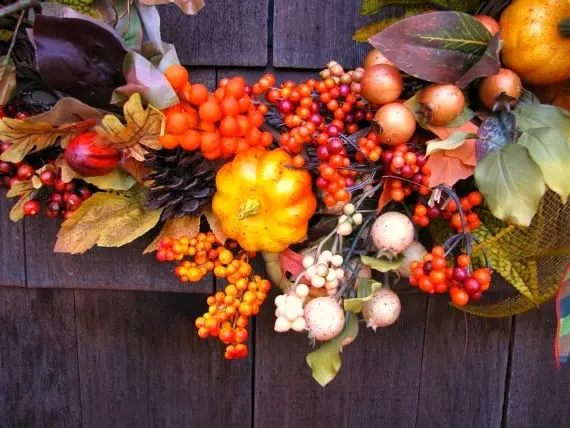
x=375 y=57
x=396 y=124
x=501 y=89
x=91 y=155
x=441 y=103
x=382 y=84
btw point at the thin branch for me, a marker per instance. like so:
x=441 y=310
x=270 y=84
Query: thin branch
x=12 y=43
x=17 y=7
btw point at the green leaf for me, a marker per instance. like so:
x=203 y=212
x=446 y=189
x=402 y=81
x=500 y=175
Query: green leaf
x=129 y=26
x=549 y=149
x=383 y=264
x=364 y=33
x=459 y=5
x=366 y=292
x=511 y=183
x=325 y=362
x=543 y=115
x=5 y=35
x=454 y=141
x=455 y=39
x=370 y=7
x=466 y=115
x=106 y=220
x=118 y=179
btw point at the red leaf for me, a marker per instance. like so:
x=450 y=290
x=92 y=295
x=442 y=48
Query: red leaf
x=467 y=152
x=447 y=169
x=291 y=262
x=385 y=197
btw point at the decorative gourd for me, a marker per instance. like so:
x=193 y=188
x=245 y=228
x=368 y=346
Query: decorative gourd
x=536 y=37
x=91 y=155
x=262 y=202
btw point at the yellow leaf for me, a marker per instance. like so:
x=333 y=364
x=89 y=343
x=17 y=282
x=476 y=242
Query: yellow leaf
x=65 y=120
x=215 y=225
x=17 y=211
x=8 y=82
x=176 y=228
x=143 y=125
x=106 y=220
x=5 y=35
x=20 y=188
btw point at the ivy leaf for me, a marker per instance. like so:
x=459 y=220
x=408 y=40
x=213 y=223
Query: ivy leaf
x=143 y=125
x=450 y=47
x=106 y=220
x=176 y=227
x=549 y=149
x=79 y=57
x=355 y=304
x=383 y=264
x=541 y=115
x=143 y=77
x=495 y=132
x=454 y=141
x=325 y=362
x=8 y=81
x=189 y=7
x=511 y=183
x=118 y=179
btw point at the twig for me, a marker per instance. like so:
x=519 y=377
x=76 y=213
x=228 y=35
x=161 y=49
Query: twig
x=20 y=5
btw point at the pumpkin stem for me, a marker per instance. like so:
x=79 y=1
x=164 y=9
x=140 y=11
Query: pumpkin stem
x=564 y=27
x=249 y=208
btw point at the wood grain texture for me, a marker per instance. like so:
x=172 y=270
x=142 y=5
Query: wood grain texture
x=142 y=364
x=538 y=393
x=225 y=32
x=12 y=265
x=464 y=368
x=124 y=268
x=377 y=385
x=38 y=359
x=308 y=34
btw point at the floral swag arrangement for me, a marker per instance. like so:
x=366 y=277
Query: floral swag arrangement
x=431 y=162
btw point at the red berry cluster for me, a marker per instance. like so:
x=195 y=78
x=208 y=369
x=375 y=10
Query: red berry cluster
x=433 y=275
x=64 y=198
x=423 y=214
x=8 y=171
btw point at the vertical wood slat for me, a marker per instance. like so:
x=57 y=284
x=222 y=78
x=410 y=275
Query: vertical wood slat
x=12 y=265
x=538 y=393
x=464 y=368
x=225 y=32
x=308 y=34
x=38 y=359
x=141 y=363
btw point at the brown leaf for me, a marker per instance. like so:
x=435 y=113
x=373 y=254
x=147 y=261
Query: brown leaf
x=215 y=225
x=8 y=82
x=176 y=228
x=385 y=197
x=136 y=169
x=106 y=220
x=144 y=125
x=189 y=7
x=64 y=121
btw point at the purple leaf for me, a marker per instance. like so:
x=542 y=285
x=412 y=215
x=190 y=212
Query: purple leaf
x=495 y=133
x=78 y=57
x=443 y=47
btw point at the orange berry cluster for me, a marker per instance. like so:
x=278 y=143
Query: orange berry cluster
x=204 y=250
x=219 y=125
x=229 y=311
x=433 y=275
x=424 y=214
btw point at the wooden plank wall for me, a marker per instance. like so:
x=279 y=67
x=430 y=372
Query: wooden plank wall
x=107 y=338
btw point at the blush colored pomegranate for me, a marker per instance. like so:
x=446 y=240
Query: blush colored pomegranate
x=91 y=155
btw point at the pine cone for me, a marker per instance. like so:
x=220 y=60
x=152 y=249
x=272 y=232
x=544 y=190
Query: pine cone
x=183 y=182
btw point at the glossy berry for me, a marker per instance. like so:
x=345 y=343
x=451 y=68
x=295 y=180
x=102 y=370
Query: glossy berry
x=25 y=172
x=48 y=177
x=32 y=207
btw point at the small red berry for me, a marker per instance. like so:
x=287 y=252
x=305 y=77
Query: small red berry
x=31 y=208
x=48 y=178
x=25 y=172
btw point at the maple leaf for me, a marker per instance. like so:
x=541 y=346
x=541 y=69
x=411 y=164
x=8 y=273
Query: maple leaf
x=64 y=121
x=143 y=125
x=176 y=228
x=107 y=220
x=189 y=7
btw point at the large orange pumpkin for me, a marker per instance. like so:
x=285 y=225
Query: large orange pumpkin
x=536 y=37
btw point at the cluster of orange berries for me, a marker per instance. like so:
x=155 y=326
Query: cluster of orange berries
x=424 y=214
x=307 y=108
x=229 y=311
x=220 y=125
x=433 y=275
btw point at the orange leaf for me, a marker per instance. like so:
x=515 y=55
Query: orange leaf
x=442 y=132
x=447 y=169
x=385 y=197
x=466 y=153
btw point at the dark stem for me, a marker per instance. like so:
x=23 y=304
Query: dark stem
x=12 y=43
x=564 y=27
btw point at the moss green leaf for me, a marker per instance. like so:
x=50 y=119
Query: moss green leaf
x=325 y=362
x=106 y=220
x=370 y=7
x=383 y=264
x=511 y=183
x=454 y=141
x=549 y=149
x=118 y=179
x=176 y=227
x=542 y=115
x=366 y=290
